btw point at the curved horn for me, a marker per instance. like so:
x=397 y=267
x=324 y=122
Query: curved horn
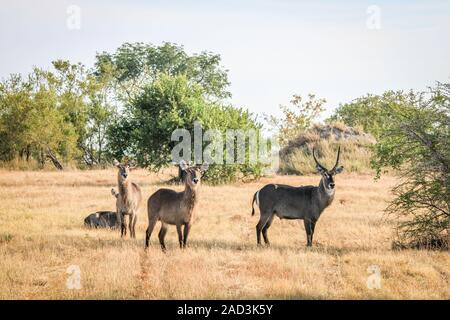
x=337 y=159
x=315 y=159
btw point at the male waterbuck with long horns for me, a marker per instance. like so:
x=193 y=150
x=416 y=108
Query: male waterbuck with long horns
x=287 y=202
x=128 y=199
x=175 y=208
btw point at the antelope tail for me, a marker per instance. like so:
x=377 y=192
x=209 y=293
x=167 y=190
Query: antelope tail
x=255 y=199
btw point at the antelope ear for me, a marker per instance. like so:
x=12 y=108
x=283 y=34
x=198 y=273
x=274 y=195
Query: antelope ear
x=116 y=163
x=204 y=166
x=183 y=165
x=339 y=170
x=320 y=170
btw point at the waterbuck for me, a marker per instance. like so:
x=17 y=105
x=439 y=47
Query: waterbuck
x=101 y=219
x=175 y=208
x=128 y=199
x=287 y=202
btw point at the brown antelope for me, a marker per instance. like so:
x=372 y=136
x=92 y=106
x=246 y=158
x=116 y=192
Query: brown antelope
x=287 y=202
x=128 y=199
x=175 y=208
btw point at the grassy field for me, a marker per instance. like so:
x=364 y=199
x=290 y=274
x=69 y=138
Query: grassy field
x=42 y=234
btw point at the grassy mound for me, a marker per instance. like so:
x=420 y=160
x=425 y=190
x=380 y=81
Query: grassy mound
x=296 y=157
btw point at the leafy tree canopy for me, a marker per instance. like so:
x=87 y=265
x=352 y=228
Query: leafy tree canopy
x=133 y=65
x=169 y=103
x=367 y=112
x=415 y=142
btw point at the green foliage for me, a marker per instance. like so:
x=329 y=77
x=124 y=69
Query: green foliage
x=32 y=120
x=415 y=142
x=169 y=103
x=134 y=65
x=101 y=111
x=127 y=105
x=164 y=88
x=59 y=114
x=367 y=112
x=296 y=118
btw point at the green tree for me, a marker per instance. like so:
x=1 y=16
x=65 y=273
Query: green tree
x=297 y=117
x=86 y=101
x=173 y=102
x=134 y=65
x=367 y=112
x=63 y=113
x=14 y=107
x=415 y=142
x=32 y=122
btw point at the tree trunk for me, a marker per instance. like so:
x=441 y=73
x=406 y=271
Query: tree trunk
x=41 y=158
x=28 y=153
x=54 y=160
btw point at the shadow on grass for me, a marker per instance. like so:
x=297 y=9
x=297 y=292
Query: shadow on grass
x=252 y=247
x=87 y=239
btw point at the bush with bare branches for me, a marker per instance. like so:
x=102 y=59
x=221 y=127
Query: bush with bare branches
x=415 y=142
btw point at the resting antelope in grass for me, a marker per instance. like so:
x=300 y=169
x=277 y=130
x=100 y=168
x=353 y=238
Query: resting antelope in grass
x=175 y=208
x=101 y=219
x=128 y=199
x=287 y=202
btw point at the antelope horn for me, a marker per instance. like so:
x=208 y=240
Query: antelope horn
x=315 y=159
x=337 y=159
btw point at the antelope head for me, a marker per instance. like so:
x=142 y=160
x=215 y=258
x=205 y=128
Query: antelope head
x=124 y=169
x=193 y=173
x=328 y=175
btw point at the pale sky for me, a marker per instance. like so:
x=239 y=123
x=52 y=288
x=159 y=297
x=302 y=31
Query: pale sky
x=272 y=49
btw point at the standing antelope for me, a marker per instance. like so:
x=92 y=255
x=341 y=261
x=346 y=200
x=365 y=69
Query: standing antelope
x=287 y=202
x=175 y=208
x=128 y=199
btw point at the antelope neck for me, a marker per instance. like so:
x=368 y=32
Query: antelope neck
x=325 y=193
x=123 y=186
x=190 y=196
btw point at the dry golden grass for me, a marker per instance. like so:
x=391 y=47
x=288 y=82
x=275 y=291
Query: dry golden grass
x=42 y=233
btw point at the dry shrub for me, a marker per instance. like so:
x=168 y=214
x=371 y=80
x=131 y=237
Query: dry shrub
x=296 y=157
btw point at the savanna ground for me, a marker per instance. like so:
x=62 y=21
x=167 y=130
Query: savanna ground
x=42 y=234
